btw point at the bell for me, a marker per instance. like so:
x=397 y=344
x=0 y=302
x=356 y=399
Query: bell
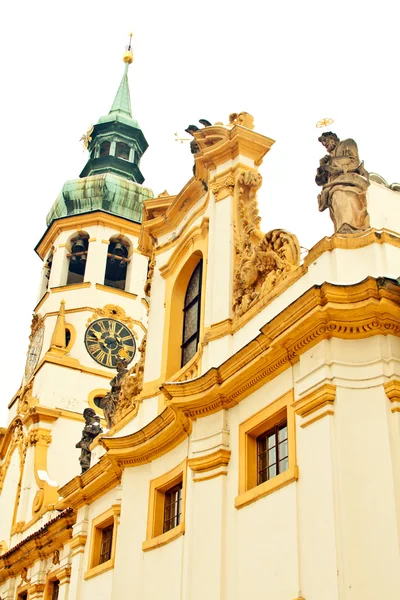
x=78 y=246
x=120 y=249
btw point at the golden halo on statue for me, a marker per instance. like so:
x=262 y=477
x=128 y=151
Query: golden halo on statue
x=324 y=123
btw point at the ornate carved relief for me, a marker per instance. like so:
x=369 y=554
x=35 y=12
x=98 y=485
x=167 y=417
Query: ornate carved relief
x=262 y=261
x=26 y=400
x=112 y=311
x=130 y=386
x=223 y=187
x=150 y=273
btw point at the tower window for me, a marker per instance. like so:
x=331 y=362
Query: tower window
x=122 y=150
x=77 y=259
x=117 y=263
x=191 y=316
x=104 y=148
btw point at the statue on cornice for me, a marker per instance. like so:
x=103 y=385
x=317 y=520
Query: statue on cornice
x=110 y=401
x=344 y=184
x=91 y=430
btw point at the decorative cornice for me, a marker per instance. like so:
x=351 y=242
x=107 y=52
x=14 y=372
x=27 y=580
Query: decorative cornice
x=37 y=546
x=233 y=142
x=85 y=488
x=80 y=222
x=352 y=241
x=348 y=312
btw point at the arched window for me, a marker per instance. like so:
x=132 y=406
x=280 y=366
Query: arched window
x=122 y=150
x=104 y=148
x=191 y=315
x=77 y=259
x=117 y=263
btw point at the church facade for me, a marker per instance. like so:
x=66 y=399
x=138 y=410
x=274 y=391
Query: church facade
x=204 y=413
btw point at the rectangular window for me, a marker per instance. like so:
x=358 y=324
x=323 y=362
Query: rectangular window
x=172 y=507
x=106 y=544
x=267 y=451
x=166 y=516
x=272 y=452
x=103 y=542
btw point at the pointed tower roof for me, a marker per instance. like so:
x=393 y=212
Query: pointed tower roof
x=121 y=109
x=122 y=100
x=111 y=179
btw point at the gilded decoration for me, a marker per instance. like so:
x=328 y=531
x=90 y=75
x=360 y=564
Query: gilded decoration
x=244 y=119
x=26 y=400
x=111 y=311
x=262 y=261
x=125 y=388
x=150 y=273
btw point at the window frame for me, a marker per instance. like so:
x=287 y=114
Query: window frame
x=249 y=431
x=155 y=534
x=103 y=521
x=187 y=307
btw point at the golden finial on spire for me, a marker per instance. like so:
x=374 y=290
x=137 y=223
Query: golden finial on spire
x=128 y=54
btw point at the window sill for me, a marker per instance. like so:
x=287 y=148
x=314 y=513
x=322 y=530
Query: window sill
x=164 y=538
x=268 y=487
x=113 y=290
x=109 y=564
x=71 y=286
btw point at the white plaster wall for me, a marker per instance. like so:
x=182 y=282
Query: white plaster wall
x=60 y=387
x=62 y=457
x=383 y=207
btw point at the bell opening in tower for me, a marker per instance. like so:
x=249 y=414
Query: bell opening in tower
x=77 y=259
x=117 y=264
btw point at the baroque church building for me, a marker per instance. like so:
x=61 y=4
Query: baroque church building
x=204 y=413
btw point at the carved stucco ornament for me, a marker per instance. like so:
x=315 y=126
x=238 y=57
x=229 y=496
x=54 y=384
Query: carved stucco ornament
x=26 y=400
x=131 y=386
x=111 y=311
x=262 y=261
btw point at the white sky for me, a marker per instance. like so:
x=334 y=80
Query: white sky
x=287 y=63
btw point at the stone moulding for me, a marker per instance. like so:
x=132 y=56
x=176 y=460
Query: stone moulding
x=39 y=545
x=351 y=312
x=316 y=405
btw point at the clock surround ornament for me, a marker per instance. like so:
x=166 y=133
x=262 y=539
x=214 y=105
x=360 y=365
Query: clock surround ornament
x=35 y=347
x=108 y=340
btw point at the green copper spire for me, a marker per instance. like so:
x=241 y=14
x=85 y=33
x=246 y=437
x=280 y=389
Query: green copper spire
x=117 y=142
x=122 y=101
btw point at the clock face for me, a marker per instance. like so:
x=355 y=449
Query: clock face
x=34 y=351
x=107 y=339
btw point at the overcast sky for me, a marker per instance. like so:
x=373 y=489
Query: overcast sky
x=287 y=63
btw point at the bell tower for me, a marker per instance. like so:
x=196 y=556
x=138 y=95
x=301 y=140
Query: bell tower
x=91 y=312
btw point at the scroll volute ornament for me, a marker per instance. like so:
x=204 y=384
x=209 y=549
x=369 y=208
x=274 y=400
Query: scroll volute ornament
x=262 y=261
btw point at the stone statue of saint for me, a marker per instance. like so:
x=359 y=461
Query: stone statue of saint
x=109 y=403
x=90 y=431
x=344 y=184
